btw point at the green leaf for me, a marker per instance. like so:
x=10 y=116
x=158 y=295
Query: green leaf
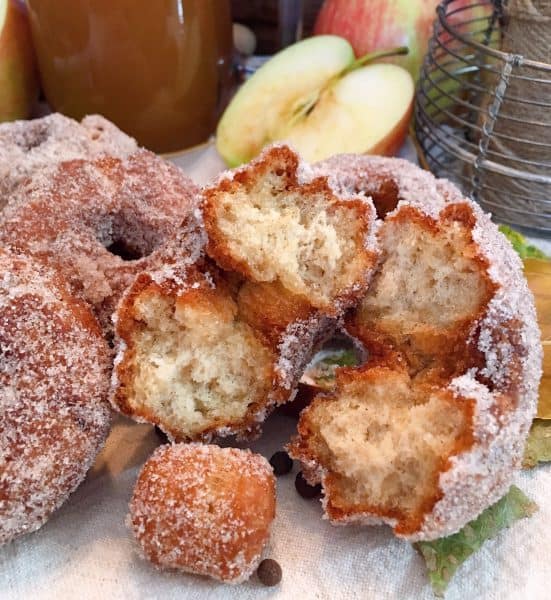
x=341 y=358
x=538 y=444
x=519 y=243
x=321 y=371
x=445 y=555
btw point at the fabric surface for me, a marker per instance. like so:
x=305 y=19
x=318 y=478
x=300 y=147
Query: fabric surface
x=86 y=551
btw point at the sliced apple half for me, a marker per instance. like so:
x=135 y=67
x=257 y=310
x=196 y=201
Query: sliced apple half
x=318 y=97
x=277 y=91
x=367 y=111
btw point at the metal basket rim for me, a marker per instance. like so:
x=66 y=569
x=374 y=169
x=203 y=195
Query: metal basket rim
x=504 y=56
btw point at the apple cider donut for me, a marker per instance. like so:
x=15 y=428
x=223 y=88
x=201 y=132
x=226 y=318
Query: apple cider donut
x=28 y=146
x=204 y=509
x=195 y=358
x=274 y=221
x=431 y=431
x=54 y=379
x=101 y=222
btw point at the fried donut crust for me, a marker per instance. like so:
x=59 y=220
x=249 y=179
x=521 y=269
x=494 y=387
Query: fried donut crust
x=204 y=509
x=30 y=146
x=441 y=411
x=102 y=222
x=274 y=221
x=54 y=379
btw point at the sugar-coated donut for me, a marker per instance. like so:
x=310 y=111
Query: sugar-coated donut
x=101 y=222
x=204 y=509
x=29 y=146
x=431 y=430
x=203 y=355
x=54 y=378
x=200 y=355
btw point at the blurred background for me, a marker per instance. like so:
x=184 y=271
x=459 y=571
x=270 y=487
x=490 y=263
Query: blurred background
x=473 y=92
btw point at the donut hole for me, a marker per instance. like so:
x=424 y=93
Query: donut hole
x=385 y=196
x=384 y=440
x=300 y=236
x=204 y=509
x=196 y=366
x=124 y=250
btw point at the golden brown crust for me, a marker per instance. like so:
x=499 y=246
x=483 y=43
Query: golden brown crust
x=197 y=292
x=306 y=447
x=270 y=308
x=29 y=146
x=479 y=348
x=445 y=352
x=204 y=509
x=100 y=222
x=54 y=379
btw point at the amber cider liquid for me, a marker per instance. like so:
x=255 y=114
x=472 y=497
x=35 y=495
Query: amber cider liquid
x=156 y=68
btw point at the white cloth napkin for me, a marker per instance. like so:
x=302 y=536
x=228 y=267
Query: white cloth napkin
x=85 y=551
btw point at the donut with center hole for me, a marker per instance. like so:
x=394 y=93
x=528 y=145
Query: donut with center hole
x=101 y=222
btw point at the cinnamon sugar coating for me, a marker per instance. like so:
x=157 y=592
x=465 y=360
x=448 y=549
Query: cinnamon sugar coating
x=101 y=222
x=211 y=354
x=54 y=378
x=204 y=510
x=387 y=181
x=29 y=146
x=431 y=431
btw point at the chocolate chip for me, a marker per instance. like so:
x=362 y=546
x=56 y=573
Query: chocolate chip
x=305 y=489
x=269 y=572
x=281 y=463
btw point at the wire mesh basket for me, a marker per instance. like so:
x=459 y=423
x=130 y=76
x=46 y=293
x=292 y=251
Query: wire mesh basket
x=483 y=114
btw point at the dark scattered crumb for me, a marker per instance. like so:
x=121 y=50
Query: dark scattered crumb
x=305 y=489
x=269 y=572
x=281 y=463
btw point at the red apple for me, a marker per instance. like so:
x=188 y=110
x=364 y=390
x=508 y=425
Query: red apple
x=373 y=24
x=18 y=74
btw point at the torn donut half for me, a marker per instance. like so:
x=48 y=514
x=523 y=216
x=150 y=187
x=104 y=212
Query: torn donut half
x=431 y=430
x=194 y=359
x=275 y=221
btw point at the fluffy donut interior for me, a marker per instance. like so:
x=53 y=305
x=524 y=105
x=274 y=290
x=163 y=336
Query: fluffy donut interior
x=429 y=288
x=195 y=365
x=428 y=278
x=387 y=432
x=384 y=440
x=311 y=244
